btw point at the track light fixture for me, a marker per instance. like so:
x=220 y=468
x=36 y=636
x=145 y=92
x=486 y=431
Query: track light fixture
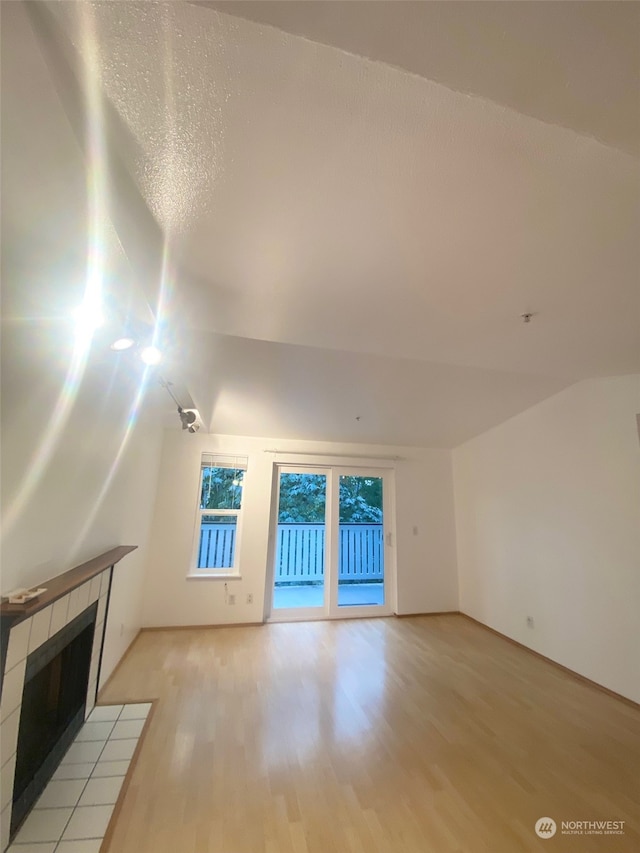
x=189 y=418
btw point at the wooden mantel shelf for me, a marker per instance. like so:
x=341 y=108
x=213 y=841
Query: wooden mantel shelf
x=59 y=586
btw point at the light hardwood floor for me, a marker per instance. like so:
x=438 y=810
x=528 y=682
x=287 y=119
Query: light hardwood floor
x=403 y=736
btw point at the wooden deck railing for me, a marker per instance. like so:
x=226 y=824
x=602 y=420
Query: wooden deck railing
x=300 y=551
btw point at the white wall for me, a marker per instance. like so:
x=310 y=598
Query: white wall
x=548 y=525
x=70 y=516
x=132 y=502
x=426 y=561
x=427 y=576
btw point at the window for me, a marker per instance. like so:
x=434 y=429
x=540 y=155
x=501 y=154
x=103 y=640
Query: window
x=218 y=522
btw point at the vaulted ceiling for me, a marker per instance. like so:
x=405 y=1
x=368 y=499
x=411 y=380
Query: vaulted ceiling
x=337 y=210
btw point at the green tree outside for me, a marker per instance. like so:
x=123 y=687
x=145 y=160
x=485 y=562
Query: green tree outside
x=303 y=500
x=302 y=496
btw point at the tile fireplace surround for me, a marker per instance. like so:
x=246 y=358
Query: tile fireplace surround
x=25 y=628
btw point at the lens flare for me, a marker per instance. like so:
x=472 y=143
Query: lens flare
x=90 y=310
x=151 y=356
x=132 y=418
x=122 y=344
x=88 y=316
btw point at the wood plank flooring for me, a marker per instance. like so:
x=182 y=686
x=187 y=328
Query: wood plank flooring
x=369 y=736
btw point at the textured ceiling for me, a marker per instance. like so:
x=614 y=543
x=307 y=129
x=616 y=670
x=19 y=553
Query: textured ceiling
x=344 y=235
x=572 y=64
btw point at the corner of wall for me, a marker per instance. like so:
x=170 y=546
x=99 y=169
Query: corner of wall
x=547 y=507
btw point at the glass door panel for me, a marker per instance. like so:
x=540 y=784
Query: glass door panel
x=361 y=542
x=300 y=552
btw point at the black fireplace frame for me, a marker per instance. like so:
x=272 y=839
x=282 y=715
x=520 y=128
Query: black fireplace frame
x=27 y=792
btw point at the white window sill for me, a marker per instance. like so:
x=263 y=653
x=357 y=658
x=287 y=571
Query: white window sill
x=221 y=576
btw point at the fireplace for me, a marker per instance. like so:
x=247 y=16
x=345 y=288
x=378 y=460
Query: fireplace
x=53 y=708
x=50 y=661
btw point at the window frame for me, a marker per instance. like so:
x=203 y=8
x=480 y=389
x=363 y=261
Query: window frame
x=222 y=572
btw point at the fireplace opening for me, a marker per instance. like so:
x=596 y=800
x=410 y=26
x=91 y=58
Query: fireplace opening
x=53 y=707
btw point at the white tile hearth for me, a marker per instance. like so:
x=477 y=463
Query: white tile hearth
x=74 y=771
x=81 y=752
x=95 y=731
x=119 y=750
x=106 y=713
x=135 y=711
x=103 y=769
x=61 y=794
x=101 y=792
x=46 y=847
x=74 y=811
x=44 y=825
x=88 y=822
x=126 y=729
x=87 y=845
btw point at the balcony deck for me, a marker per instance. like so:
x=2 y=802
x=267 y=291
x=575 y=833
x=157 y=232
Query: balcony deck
x=353 y=594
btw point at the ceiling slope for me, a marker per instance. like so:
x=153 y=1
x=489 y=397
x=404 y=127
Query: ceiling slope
x=341 y=233
x=572 y=64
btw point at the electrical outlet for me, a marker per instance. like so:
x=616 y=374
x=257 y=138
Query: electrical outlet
x=530 y=622
x=121 y=628
x=232 y=599
x=249 y=598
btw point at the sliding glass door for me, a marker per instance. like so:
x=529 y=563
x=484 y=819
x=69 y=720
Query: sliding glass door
x=301 y=542
x=331 y=543
x=360 y=573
